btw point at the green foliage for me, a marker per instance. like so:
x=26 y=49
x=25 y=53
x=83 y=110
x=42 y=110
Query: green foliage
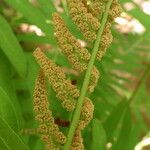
x=113 y=120
x=99 y=137
x=9 y=138
x=33 y=15
x=47 y=7
x=125 y=132
x=116 y=121
x=11 y=47
x=7 y=110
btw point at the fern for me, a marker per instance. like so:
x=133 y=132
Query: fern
x=96 y=30
x=114 y=108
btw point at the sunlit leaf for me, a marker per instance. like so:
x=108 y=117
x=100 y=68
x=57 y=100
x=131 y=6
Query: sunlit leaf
x=125 y=132
x=7 y=110
x=34 y=15
x=99 y=138
x=3 y=145
x=11 y=47
x=10 y=138
x=113 y=120
x=47 y=7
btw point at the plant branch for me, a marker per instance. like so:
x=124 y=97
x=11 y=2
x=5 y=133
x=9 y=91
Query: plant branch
x=76 y=115
x=142 y=79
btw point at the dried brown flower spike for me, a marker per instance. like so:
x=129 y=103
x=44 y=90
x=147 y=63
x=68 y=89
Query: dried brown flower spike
x=97 y=8
x=86 y=22
x=65 y=91
x=115 y=11
x=87 y=18
x=76 y=54
x=77 y=143
x=48 y=130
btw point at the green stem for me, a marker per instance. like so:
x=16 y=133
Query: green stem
x=76 y=115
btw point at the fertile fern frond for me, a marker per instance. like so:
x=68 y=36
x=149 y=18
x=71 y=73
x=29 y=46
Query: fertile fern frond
x=65 y=91
x=76 y=54
x=96 y=30
x=85 y=21
x=48 y=130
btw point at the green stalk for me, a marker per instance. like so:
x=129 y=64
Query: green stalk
x=76 y=115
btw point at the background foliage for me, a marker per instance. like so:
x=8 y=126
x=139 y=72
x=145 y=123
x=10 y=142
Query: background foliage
x=121 y=99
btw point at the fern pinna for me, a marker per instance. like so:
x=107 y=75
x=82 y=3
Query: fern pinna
x=93 y=18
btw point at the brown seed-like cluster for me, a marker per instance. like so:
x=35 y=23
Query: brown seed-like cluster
x=77 y=143
x=49 y=143
x=65 y=91
x=48 y=130
x=97 y=8
x=87 y=17
x=86 y=113
x=94 y=79
x=76 y=54
x=85 y=21
x=105 y=41
x=115 y=10
x=85 y=118
x=107 y=38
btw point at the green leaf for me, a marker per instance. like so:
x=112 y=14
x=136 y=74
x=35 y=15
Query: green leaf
x=33 y=15
x=39 y=145
x=3 y=145
x=30 y=37
x=99 y=138
x=7 y=84
x=113 y=120
x=7 y=110
x=134 y=137
x=33 y=141
x=124 y=133
x=47 y=7
x=11 y=47
x=10 y=138
x=6 y=76
x=32 y=74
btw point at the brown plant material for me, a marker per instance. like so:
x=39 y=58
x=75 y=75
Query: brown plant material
x=65 y=91
x=107 y=38
x=85 y=21
x=48 y=130
x=76 y=54
x=77 y=143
